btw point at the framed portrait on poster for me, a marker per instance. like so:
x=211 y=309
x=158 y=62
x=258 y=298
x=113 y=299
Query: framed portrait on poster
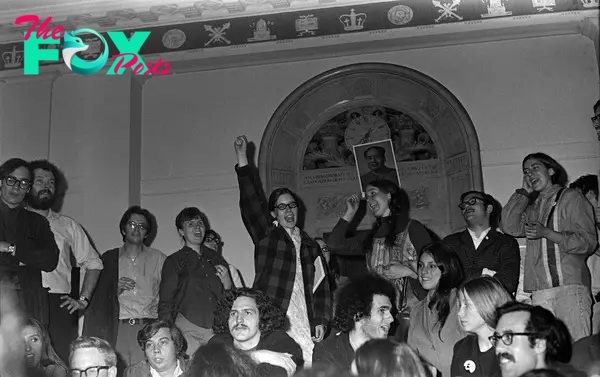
x=375 y=161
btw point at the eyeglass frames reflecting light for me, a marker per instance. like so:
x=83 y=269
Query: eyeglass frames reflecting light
x=24 y=184
x=132 y=225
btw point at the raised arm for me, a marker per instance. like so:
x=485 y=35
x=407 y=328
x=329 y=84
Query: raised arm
x=337 y=242
x=514 y=217
x=253 y=206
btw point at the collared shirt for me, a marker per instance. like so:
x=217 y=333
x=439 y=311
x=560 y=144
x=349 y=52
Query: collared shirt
x=145 y=270
x=70 y=238
x=478 y=240
x=178 y=371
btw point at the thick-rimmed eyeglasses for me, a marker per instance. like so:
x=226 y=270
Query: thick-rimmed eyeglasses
x=132 y=225
x=88 y=372
x=283 y=206
x=507 y=337
x=470 y=202
x=24 y=184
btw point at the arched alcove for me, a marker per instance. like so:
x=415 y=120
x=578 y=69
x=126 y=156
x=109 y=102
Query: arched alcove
x=396 y=94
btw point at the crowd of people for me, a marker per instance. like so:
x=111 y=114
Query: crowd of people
x=471 y=304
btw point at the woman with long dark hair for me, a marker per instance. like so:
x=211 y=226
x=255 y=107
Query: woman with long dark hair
x=286 y=259
x=560 y=227
x=434 y=325
x=392 y=246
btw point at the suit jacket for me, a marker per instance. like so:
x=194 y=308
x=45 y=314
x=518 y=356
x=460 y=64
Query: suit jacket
x=497 y=251
x=36 y=251
x=275 y=255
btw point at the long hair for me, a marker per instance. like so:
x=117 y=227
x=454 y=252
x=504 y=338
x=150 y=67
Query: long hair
x=452 y=276
x=388 y=358
x=399 y=206
x=560 y=176
x=49 y=355
x=487 y=295
x=271 y=317
x=221 y=360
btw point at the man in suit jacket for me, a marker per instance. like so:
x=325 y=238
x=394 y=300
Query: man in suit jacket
x=482 y=249
x=27 y=245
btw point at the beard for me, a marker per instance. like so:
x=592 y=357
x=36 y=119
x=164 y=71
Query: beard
x=42 y=203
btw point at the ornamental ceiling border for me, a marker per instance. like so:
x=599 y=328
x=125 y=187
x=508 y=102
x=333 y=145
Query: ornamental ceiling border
x=180 y=31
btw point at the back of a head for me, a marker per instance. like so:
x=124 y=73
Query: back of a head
x=388 y=358
x=220 y=360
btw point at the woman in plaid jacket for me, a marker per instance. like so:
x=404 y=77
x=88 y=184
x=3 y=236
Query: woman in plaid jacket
x=285 y=257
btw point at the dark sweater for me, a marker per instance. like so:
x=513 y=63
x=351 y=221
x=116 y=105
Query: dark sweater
x=189 y=285
x=277 y=341
x=335 y=351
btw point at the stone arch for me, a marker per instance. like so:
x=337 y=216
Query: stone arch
x=434 y=107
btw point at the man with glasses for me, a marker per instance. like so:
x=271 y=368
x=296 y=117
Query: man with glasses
x=75 y=250
x=482 y=249
x=27 y=244
x=126 y=297
x=92 y=357
x=213 y=241
x=530 y=337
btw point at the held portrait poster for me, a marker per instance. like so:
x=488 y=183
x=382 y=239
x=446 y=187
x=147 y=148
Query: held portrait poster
x=375 y=161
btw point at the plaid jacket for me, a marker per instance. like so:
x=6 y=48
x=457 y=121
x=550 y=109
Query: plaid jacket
x=274 y=253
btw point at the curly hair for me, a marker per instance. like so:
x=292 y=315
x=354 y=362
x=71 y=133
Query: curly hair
x=356 y=299
x=271 y=317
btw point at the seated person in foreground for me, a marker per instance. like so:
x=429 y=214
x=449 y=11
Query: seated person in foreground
x=249 y=321
x=164 y=346
x=363 y=312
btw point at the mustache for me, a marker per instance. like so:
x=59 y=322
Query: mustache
x=48 y=192
x=240 y=327
x=506 y=356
